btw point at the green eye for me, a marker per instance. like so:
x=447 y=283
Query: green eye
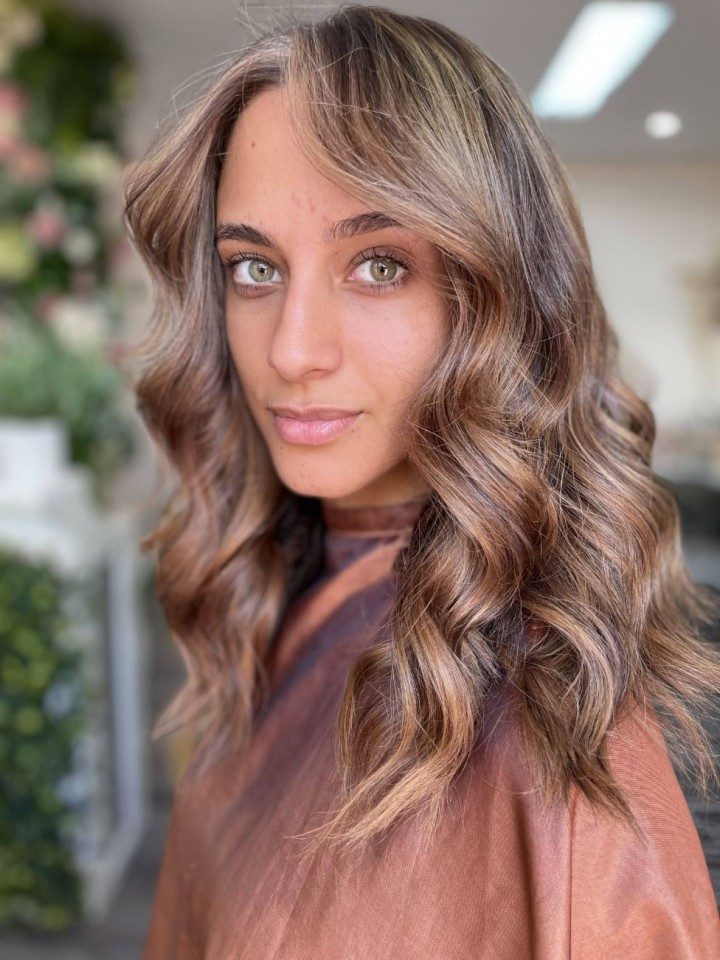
x=386 y=266
x=383 y=269
x=260 y=273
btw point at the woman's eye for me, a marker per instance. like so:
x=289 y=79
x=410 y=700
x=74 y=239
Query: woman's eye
x=381 y=271
x=250 y=271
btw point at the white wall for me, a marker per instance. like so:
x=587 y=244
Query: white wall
x=652 y=229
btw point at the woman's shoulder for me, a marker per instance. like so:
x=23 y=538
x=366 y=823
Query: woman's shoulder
x=648 y=895
x=587 y=885
x=624 y=894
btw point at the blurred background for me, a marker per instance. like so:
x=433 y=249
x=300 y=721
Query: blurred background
x=627 y=92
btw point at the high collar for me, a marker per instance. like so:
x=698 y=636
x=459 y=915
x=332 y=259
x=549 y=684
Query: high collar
x=368 y=521
x=350 y=531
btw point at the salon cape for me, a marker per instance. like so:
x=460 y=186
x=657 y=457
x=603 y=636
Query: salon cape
x=505 y=877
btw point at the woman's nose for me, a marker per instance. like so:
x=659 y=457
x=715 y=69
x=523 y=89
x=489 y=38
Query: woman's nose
x=306 y=336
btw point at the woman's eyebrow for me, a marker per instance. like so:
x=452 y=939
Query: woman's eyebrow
x=341 y=230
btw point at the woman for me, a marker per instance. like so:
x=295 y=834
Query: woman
x=426 y=632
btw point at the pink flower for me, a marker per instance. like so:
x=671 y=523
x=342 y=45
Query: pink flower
x=30 y=164
x=13 y=100
x=8 y=144
x=46 y=226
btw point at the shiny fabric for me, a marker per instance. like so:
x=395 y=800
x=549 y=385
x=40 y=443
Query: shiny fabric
x=504 y=878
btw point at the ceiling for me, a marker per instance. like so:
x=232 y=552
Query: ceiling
x=178 y=43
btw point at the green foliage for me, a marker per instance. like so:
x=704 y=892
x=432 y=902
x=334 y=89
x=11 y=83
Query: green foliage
x=50 y=269
x=78 y=73
x=64 y=79
x=39 y=377
x=41 y=712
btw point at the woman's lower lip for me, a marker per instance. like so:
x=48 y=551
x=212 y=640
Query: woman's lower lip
x=312 y=431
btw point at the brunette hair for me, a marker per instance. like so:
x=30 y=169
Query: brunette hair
x=544 y=508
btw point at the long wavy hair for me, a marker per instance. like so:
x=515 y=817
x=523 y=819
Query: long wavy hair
x=544 y=508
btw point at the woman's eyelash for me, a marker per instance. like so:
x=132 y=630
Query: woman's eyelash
x=373 y=253
x=378 y=254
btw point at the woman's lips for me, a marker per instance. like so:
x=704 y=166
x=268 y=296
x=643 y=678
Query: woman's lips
x=312 y=432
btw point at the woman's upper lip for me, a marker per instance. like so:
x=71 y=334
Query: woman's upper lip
x=314 y=413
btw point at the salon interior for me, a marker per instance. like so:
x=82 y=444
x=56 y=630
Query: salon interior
x=627 y=94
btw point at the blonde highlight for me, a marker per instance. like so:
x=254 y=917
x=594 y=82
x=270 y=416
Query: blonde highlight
x=546 y=521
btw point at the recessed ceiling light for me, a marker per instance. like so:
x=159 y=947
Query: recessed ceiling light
x=662 y=123
x=605 y=43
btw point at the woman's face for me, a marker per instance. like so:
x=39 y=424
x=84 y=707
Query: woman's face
x=349 y=319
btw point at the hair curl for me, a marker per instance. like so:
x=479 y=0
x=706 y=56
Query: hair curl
x=544 y=506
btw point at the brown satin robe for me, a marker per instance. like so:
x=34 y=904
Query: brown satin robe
x=504 y=878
